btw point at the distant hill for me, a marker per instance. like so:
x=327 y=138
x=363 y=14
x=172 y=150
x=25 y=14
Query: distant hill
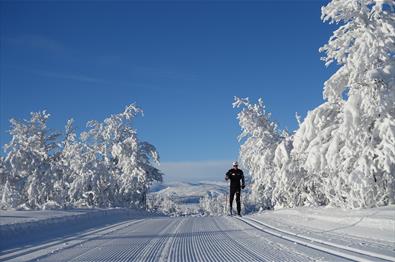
x=189 y=189
x=183 y=197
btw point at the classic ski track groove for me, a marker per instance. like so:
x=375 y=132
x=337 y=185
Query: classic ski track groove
x=377 y=244
x=47 y=249
x=184 y=239
x=100 y=246
x=145 y=250
x=155 y=246
x=204 y=239
x=323 y=246
x=271 y=253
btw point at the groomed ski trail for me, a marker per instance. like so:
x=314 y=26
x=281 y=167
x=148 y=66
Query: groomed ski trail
x=340 y=251
x=175 y=239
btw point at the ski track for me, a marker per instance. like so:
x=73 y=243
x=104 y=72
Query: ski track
x=177 y=239
x=344 y=252
x=263 y=245
x=33 y=252
x=373 y=245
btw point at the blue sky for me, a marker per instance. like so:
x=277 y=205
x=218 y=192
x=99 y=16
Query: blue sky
x=182 y=62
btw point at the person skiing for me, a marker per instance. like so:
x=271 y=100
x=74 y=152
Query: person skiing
x=235 y=175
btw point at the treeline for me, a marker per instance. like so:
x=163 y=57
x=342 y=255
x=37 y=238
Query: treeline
x=105 y=166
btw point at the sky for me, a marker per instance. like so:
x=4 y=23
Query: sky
x=182 y=62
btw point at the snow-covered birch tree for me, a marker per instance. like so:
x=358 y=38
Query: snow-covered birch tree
x=257 y=152
x=354 y=144
x=343 y=152
x=30 y=175
x=114 y=168
x=107 y=166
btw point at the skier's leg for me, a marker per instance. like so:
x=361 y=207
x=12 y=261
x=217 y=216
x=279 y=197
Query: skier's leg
x=238 y=202
x=231 y=197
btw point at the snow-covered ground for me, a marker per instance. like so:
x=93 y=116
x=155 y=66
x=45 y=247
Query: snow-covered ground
x=190 y=189
x=183 y=198
x=367 y=231
x=18 y=228
x=373 y=223
x=302 y=234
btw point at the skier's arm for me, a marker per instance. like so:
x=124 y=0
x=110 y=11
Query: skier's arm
x=227 y=175
x=242 y=180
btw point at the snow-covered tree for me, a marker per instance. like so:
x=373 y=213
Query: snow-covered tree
x=164 y=203
x=29 y=163
x=214 y=203
x=107 y=166
x=4 y=184
x=258 y=150
x=343 y=153
x=354 y=143
x=124 y=171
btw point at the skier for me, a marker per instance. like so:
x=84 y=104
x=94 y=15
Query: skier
x=235 y=175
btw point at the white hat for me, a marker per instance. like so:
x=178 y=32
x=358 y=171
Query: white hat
x=235 y=163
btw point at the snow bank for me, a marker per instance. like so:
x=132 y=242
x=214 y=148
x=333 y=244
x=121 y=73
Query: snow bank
x=21 y=227
x=375 y=223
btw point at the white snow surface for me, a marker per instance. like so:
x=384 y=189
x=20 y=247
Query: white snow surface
x=183 y=198
x=190 y=188
x=375 y=223
x=20 y=227
x=300 y=234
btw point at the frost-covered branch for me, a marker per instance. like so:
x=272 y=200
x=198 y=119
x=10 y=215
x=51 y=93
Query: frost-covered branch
x=108 y=165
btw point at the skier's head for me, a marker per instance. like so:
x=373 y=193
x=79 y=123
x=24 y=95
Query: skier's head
x=235 y=164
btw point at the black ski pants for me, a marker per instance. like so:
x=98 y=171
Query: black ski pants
x=233 y=191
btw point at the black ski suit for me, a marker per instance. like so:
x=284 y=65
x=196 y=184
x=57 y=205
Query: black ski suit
x=235 y=175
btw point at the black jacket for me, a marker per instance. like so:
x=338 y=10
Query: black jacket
x=235 y=175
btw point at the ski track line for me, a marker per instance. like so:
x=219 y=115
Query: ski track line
x=343 y=239
x=249 y=254
x=203 y=239
x=194 y=243
x=165 y=254
x=140 y=246
x=278 y=246
x=265 y=248
x=325 y=246
x=217 y=238
x=91 y=238
x=153 y=250
x=184 y=247
x=131 y=248
x=351 y=249
x=92 y=253
x=23 y=250
x=46 y=249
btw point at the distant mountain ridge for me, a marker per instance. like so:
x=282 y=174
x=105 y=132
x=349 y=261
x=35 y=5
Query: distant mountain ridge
x=182 y=198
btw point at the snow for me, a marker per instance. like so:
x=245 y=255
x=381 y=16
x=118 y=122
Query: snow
x=299 y=234
x=342 y=155
x=183 y=198
x=370 y=231
x=373 y=223
x=343 y=152
x=107 y=166
x=20 y=227
x=198 y=189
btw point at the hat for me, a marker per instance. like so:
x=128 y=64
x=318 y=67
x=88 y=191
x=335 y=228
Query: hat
x=235 y=163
